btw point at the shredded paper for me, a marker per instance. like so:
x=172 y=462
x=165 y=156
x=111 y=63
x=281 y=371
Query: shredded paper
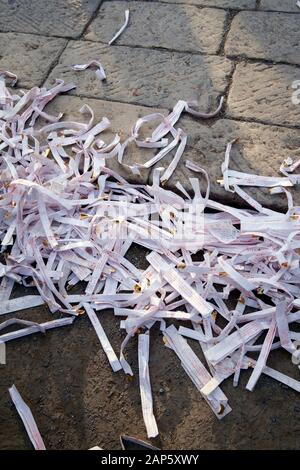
x=231 y=276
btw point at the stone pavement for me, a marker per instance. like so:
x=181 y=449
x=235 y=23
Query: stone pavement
x=246 y=50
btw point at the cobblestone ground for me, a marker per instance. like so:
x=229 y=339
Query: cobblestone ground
x=249 y=52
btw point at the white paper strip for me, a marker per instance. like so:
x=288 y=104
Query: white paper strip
x=234 y=341
x=93 y=63
x=36 y=329
x=121 y=29
x=292 y=383
x=110 y=353
x=282 y=322
x=145 y=385
x=197 y=372
x=20 y=303
x=27 y=418
x=261 y=362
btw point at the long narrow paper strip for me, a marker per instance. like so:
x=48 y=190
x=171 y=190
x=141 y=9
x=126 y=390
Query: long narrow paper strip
x=197 y=372
x=234 y=341
x=261 y=362
x=145 y=386
x=111 y=355
x=121 y=29
x=20 y=303
x=35 y=329
x=27 y=418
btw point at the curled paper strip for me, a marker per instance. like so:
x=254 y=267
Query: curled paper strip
x=93 y=63
x=67 y=219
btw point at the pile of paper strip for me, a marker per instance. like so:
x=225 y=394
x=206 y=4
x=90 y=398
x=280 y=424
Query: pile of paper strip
x=66 y=219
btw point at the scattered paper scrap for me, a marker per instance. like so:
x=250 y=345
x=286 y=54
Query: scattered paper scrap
x=71 y=219
x=121 y=29
x=93 y=63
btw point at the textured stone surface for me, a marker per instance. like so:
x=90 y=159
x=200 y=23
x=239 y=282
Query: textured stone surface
x=122 y=117
x=259 y=150
x=234 y=4
x=64 y=376
x=264 y=92
x=53 y=17
x=201 y=30
x=146 y=77
x=29 y=56
x=262 y=35
x=279 y=5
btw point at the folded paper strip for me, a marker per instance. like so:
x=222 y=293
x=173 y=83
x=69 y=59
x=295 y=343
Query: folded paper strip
x=65 y=217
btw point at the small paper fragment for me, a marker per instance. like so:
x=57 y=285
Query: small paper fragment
x=93 y=63
x=121 y=29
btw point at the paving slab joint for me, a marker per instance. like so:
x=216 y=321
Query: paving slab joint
x=91 y=20
x=230 y=14
x=54 y=63
x=226 y=92
x=253 y=120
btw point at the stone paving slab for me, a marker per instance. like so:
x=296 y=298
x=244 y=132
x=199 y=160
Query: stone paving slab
x=264 y=92
x=234 y=4
x=141 y=76
x=122 y=117
x=280 y=5
x=265 y=35
x=53 y=17
x=29 y=56
x=260 y=150
x=201 y=30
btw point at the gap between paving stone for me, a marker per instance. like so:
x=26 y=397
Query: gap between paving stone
x=232 y=4
x=264 y=92
x=30 y=57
